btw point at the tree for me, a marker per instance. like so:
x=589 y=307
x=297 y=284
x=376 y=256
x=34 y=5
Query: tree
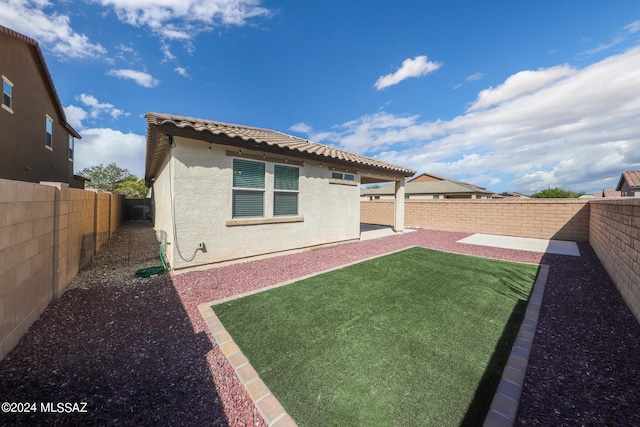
x=116 y=180
x=556 y=193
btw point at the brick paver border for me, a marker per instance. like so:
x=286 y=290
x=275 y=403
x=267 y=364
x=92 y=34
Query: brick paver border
x=504 y=407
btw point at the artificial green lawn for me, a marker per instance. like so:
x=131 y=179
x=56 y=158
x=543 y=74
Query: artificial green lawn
x=418 y=337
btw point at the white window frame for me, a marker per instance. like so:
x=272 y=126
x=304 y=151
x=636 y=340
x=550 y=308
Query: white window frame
x=48 y=142
x=344 y=176
x=8 y=82
x=72 y=144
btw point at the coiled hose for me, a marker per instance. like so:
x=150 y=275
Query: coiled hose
x=153 y=271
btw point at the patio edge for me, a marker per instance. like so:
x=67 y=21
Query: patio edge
x=504 y=407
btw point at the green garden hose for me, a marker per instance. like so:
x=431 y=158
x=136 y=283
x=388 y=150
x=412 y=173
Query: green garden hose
x=153 y=271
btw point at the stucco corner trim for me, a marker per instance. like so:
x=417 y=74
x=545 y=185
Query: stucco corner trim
x=343 y=182
x=261 y=221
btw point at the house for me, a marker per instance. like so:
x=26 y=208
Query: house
x=429 y=177
x=629 y=184
x=223 y=191
x=609 y=192
x=37 y=141
x=429 y=186
x=510 y=195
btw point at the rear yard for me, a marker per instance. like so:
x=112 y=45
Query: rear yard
x=137 y=351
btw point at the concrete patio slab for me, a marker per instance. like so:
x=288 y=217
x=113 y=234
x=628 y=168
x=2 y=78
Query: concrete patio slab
x=372 y=231
x=560 y=247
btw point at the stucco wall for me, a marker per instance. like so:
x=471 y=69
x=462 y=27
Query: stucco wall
x=614 y=234
x=45 y=230
x=23 y=135
x=202 y=191
x=562 y=219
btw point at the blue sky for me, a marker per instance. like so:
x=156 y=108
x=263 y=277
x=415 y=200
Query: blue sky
x=509 y=95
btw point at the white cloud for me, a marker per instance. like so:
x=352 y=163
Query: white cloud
x=183 y=19
x=560 y=126
x=618 y=39
x=416 y=67
x=76 y=115
x=97 y=108
x=475 y=77
x=519 y=84
x=301 y=128
x=632 y=28
x=140 y=77
x=104 y=146
x=182 y=71
x=52 y=30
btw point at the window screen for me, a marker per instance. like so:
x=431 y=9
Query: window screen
x=286 y=177
x=248 y=203
x=285 y=196
x=248 y=174
x=248 y=188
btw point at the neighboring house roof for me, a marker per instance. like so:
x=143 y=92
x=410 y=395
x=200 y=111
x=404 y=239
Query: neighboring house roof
x=611 y=193
x=250 y=138
x=426 y=177
x=425 y=187
x=508 y=194
x=631 y=177
x=35 y=47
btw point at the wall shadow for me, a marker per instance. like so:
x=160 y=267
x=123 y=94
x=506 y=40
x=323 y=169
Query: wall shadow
x=483 y=396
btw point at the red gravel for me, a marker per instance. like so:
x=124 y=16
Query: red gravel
x=138 y=352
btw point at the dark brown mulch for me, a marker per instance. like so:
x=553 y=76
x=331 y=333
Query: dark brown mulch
x=585 y=362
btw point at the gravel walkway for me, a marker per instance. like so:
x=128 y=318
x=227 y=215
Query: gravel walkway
x=137 y=352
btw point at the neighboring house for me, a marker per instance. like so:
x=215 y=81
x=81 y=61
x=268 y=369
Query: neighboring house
x=37 y=142
x=416 y=189
x=223 y=192
x=629 y=184
x=607 y=192
x=429 y=177
x=509 y=195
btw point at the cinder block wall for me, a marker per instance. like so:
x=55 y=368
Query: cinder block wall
x=45 y=231
x=614 y=234
x=562 y=219
x=27 y=216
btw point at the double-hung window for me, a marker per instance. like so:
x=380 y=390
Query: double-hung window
x=7 y=94
x=285 y=190
x=248 y=188
x=49 y=139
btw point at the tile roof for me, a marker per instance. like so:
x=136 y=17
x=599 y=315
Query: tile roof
x=611 y=193
x=46 y=75
x=427 y=187
x=443 y=178
x=258 y=138
x=632 y=178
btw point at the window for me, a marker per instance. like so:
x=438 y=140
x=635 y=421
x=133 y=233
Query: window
x=343 y=176
x=285 y=194
x=436 y=196
x=71 y=144
x=7 y=94
x=49 y=141
x=248 y=188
